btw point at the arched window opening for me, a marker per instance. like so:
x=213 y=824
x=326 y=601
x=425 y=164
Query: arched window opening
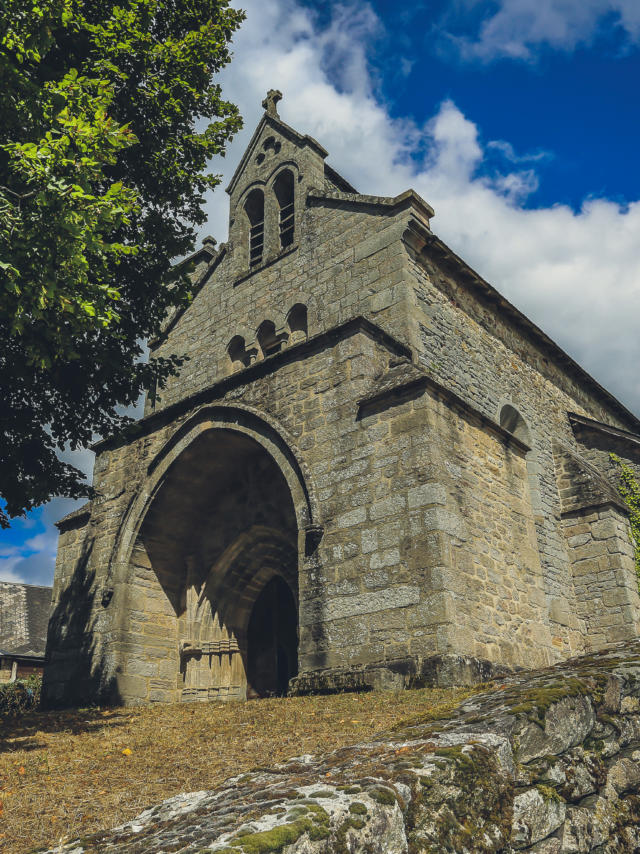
x=268 y=340
x=238 y=355
x=514 y=423
x=254 y=207
x=297 y=323
x=283 y=188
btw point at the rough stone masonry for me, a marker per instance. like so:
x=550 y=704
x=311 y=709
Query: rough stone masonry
x=371 y=470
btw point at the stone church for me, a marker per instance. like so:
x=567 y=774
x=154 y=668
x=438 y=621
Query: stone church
x=371 y=471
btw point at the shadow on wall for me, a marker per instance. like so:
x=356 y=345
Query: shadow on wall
x=74 y=674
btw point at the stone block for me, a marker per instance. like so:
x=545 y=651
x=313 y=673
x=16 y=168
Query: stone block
x=616 y=596
x=139 y=667
x=133 y=687
x=339 y=608
x=445 y=521
x=161 y=695
x=434 y=609
x=426 y=493
x=369 y=540
x=382 y=300
x=379 y=560
x=353 y=517
x=391 y=506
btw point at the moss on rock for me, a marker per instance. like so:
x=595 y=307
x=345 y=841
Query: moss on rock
x=277 y=838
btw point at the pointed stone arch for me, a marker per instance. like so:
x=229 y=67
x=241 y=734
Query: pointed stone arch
x=203 y=565
x=244 y=419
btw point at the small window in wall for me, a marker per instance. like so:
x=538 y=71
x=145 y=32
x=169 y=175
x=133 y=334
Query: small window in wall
x=283 y=188
x=297 y=323
x=238 y=355
x=267 y=339
x=254 y=207
x=514 y=423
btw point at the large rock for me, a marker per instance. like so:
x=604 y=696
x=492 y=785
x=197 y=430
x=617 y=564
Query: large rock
x=545 y=762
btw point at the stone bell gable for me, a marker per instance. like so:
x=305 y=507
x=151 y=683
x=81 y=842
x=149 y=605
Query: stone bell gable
x=268 y=191
x=371 y=470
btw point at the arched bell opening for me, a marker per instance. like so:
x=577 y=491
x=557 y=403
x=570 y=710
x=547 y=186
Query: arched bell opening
x=269 y=340
x=254 y=209
x=283 y=187
x=239 y=356
x=221 y=527
x=297 y=323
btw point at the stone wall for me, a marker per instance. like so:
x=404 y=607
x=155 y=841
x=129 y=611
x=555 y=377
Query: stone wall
x=596 y=528
x=605 y=581
x=471 y=341
x=546 y=763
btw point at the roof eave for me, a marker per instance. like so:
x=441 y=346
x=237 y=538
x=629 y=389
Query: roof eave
x=448 y=256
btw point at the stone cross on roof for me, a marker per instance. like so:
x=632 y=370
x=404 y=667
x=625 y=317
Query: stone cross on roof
x=269 y=103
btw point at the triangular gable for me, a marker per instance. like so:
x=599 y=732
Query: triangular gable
x=276 y=124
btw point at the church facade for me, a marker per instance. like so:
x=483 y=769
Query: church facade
x=371 y=471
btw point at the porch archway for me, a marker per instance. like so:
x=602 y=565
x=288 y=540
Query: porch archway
x=218 y=537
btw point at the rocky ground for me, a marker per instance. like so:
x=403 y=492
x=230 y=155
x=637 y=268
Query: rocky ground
x=545 y=762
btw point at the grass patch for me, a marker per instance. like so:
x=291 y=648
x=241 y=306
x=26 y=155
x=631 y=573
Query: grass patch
x=65 y=775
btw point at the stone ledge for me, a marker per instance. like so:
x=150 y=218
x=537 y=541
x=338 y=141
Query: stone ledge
x=392 y=204
x=405 y=379
x=75 y=519
x=442 y=671
x=581 y=423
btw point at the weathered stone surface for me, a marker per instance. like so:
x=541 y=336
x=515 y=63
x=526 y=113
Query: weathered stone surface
x=566 y=724
x=455 y=786
x=536 y=814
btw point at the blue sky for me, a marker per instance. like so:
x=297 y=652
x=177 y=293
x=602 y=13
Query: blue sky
x=517 y=120
x=578 y=109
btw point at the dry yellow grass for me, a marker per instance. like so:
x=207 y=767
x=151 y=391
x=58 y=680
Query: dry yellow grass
x=67 y=774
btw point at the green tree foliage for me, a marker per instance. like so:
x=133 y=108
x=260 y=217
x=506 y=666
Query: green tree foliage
x=108 y=115
x=629 y=489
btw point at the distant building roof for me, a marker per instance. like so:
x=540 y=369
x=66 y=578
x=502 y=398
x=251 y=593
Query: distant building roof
x=24 y=616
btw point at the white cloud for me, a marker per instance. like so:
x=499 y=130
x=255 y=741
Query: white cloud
x=509 y=153
x=7 y=572
x=517 y=29
x=31 y=561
